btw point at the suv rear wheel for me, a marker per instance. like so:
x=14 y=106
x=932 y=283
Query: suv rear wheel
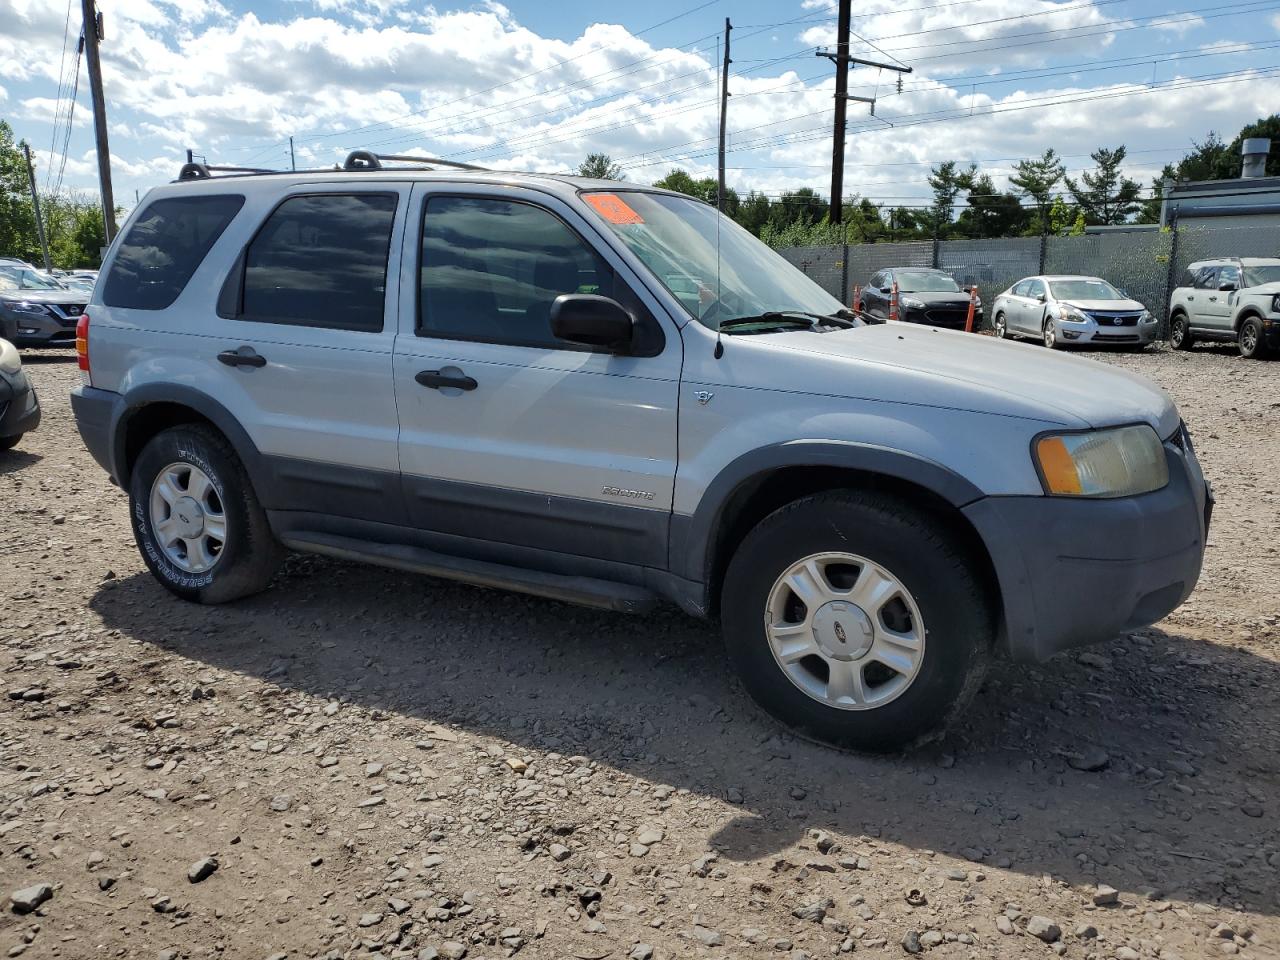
x=1180 y=337
x=857 y=620
x=1250 y=339
x=196 y=520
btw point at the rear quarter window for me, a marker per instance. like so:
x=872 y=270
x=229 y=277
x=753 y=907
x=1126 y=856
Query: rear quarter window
x=163 y=248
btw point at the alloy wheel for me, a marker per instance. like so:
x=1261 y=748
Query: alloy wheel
x=845 y=631
x=188 y=517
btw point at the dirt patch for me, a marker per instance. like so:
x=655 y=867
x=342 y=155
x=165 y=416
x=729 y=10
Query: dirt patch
x=387 y=765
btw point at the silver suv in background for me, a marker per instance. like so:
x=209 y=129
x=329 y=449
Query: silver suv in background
x=1063 y=311
x=611 y=394
x=1232 y=298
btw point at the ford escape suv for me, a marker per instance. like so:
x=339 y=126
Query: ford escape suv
x=1234 y=298
x=611 y=395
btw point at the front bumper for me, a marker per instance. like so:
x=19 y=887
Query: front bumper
x=1271 y=333
x=1077 y=571
x=19 y=405
x=1094 y=333
x=30 y=330
x=945 y=317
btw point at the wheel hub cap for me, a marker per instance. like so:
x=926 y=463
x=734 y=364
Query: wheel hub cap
x=189 y=517
x=842 y=631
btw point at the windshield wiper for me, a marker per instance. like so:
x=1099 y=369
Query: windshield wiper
x=780 y=317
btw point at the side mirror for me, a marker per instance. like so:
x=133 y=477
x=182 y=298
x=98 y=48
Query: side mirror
x=1040 y=297
x=967 y=288
x=1227 y=285
x=593 y=321
x=886 y=290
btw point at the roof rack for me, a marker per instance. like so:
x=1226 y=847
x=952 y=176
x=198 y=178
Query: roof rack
x=357 y=160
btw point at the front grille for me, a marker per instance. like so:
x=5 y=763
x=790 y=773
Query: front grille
x=943 y=317
x=1115 y=319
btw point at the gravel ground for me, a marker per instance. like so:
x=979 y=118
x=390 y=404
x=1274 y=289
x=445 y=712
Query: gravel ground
x=360 y=763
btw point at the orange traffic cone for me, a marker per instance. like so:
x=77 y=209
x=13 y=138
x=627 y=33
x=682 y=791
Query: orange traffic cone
x=893 y=302
x=973 y=305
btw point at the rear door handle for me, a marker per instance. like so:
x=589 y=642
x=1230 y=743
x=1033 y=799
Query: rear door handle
x=1213 y=299
x=436 y=379
x=242 y=357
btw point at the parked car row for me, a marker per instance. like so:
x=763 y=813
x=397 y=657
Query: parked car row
x=1227 y=299
x=36 y=310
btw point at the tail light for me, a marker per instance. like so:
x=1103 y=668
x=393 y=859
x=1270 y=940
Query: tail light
x=82 y=345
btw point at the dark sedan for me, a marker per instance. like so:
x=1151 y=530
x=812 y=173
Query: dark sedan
x=19 y=407
x=926 y=296
x=38 y=311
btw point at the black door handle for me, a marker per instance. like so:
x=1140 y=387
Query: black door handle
x=243 y=357
x=435 y=380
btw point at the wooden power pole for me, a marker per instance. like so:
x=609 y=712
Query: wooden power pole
x=35 y=202
x=842 y=60
x=92 y=34
x=724 y=111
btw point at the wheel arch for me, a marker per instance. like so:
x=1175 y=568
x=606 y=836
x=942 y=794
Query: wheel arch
x=758 y=483
x=150 y=409
x=1250 y=312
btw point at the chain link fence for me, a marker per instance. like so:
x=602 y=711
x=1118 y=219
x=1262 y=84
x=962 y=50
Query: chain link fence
x=1146 y=264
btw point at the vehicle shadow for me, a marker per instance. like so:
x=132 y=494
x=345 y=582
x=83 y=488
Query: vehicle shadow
x=15 y=459
x=1180 y=719
x=63 y=355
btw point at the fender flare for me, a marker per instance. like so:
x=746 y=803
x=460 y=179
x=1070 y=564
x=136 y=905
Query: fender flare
x=143 y=396
x=693 y=537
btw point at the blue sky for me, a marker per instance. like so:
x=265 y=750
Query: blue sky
x=538 y=85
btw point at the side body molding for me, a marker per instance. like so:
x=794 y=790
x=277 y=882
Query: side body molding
x=693 y=537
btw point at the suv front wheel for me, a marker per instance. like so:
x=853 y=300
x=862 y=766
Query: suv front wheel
x=857 y=619
x=1250 y=339
x=196 y=520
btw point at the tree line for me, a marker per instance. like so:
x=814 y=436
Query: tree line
x=72 y=222
x=1041 y=197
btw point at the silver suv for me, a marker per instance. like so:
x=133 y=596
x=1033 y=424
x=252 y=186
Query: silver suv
x=1233 y=298
x=611 y=395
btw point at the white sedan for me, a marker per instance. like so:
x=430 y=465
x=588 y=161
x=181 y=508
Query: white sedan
x=1062 y=311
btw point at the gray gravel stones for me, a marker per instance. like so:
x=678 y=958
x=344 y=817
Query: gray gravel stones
x=202 y=869
x=1105 y=896
x=706 y=936
x=29 y=899
x=1090 y=760
x=1045 y=929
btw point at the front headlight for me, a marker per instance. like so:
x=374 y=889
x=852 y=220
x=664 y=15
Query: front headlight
x=1275 y=304
x=912 y=302
x=10 y=362
x=1119 y=462
x=24 y=306
x=1146 y=317
x=1073 y=315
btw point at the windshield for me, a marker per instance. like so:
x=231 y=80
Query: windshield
x=1257 y=276
x=675 y=237
x=925 y=282
x=24 y=279
x=1084 y=290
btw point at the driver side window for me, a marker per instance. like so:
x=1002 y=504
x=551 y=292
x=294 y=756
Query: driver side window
x=1228 y=275
x=1206 y=278
x=1035 y=288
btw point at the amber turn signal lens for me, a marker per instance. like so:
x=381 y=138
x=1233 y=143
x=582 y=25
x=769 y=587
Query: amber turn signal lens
x=1060 y=474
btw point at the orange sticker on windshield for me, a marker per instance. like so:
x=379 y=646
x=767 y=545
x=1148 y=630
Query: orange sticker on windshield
x=613 y=208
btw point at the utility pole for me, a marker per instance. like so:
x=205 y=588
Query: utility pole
x=293 y=164
x=35 y=202
x=724 y=110
x=190 y=155
x=842 y=60
x=92 y=34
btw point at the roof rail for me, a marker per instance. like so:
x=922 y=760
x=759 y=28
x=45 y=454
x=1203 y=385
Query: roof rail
x=201 y=171
x=367 y=160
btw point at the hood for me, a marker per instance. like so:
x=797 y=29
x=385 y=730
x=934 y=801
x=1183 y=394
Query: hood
x=58 y=297
x=1263 y=288
x=915 y=364
x=1105 y=306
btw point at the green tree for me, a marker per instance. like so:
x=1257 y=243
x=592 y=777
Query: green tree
x=17 y=222
x=1105 y=195
x=753 y=212
x=1227 y=166
x=947 y=181
x=1037 y=179
x=991 y=213
x=600 y=166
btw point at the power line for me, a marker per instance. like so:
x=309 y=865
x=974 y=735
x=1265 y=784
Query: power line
x=57 y=109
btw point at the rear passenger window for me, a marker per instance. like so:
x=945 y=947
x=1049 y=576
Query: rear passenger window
x=1205 y=279
x=320 y=260
x=163 y=248
x=491 y=269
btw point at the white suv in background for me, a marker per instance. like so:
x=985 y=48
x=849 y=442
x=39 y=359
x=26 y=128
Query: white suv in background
x=1232 y=298
x=611 y=394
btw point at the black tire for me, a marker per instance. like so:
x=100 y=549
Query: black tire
x=916 y=549
x=1050 y=335
x=1180 y=336
x=8 y=443
x=1249 y=340
x=1001 y=327
x=250 y=555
